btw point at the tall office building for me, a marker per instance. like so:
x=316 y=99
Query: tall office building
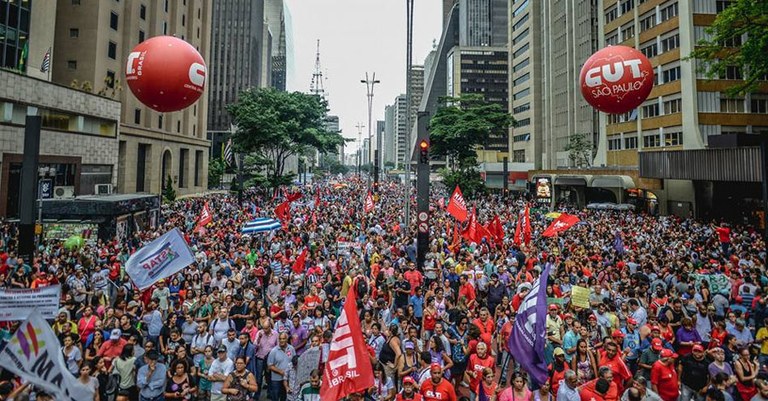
x=447 y=6
x=389 y=142
x=569 y=36
x=400 y=108
x=483 y=22
x=380 y=142
x=93 y=38
x=278 y=21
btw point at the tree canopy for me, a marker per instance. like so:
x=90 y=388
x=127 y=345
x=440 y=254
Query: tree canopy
x=274 y=125
x=726 y=47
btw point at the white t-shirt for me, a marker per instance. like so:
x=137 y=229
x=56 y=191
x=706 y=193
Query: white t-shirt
x=219 y=367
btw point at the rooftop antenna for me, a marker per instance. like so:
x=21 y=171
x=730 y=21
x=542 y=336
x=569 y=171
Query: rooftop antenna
x=316 y=87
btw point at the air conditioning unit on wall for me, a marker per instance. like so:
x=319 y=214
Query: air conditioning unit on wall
x=103 y=189
x=63 y=192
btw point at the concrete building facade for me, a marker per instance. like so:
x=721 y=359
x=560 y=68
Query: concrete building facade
x=93 y=38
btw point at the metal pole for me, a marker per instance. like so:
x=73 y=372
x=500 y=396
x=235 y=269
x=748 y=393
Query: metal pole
x=370 y=83
x=764 y=182
x=360 y=127
x=408 y=100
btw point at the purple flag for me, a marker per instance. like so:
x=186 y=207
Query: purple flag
x=527 y=340
x=618 y=243
x=481 y=394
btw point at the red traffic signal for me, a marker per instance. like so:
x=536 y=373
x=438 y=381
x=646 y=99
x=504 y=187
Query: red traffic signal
x=424 y=151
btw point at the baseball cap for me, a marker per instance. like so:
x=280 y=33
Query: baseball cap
x=115 y=334
x=656 y=344
x=553 y=307
x=434 y=366
x=568 y=316
x=592 y=317
x=222 y=349
x=408 y=380
x=409 y=345
x=558 y=351
x=617 y=333
x=667 y=353
x=631 y=320
x=698 y=348
x=132 y=304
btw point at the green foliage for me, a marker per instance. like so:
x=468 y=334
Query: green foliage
x=274 y=125
x=461 y=125
x=579 y=150
x=331 y=164
x=470 y=181
x=748 y=17
x=169 y=193
x=215 y=172
x=389 y=165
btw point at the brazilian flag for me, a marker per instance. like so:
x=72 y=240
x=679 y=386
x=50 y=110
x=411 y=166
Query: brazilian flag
x=23 y=58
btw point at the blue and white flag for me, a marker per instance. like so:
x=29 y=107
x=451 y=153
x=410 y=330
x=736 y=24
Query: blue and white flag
x=159 y=259
x=260 y=225
x=527 y=340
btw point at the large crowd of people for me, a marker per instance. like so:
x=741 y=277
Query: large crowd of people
x=676 y=308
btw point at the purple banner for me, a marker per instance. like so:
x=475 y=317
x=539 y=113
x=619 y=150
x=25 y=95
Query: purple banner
x=528 y=335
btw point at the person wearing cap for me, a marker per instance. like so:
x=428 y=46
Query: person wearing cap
x=557 y=369
x=613 y=359
x=437 y=388
x=407 y=363
x=664 y=379
x=631 y=344
x=408 y=393
x=220 y=368
x=150 y=378
x=649 y=357
x=693 y=370
x=113 y=348
x=555 y=326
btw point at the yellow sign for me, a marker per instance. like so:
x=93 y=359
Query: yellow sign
x=580 y=296
x=38 y=229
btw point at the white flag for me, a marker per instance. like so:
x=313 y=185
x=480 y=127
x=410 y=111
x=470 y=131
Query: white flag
x=34 y=354
x=159 y=259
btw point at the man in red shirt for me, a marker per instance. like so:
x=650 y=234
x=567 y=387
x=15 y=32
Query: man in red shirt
x=664 y=376
x=409 y=391
x=437 y=388
x=486 y=325
x=596 y=392
x=611 y=358
x=724 y=235
x=477 y=363
x=414 y=277
x=113 y=348
x=467 y=291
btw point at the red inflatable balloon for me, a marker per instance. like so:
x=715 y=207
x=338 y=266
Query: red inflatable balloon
x=165 y=73
x=616 y=79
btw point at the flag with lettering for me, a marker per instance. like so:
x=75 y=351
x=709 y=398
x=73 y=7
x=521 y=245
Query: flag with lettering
x=348 y=369
x=562 y=223
x=368 y=207
x=205 y=216
x=457 y=207
x=527 y=340
x=34 y=354
x=472 y=232
x=159 y=259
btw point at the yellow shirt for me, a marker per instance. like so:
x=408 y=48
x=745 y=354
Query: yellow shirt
x=762 y=334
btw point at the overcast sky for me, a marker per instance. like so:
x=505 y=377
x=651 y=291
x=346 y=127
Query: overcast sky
x=358 y=36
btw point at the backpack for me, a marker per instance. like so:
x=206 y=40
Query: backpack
x=110 y=390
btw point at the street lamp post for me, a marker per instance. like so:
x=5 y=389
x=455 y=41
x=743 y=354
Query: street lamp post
x=360 y=127
x=369 y=85
x=408 y=100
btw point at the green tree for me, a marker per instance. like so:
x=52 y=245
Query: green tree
x=579 y=150
x=215 y=172
x=460 y=126
x=274 y=125
x=742 y=17
x=169 y=193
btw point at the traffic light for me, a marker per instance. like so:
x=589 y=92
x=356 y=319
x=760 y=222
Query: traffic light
x=424 y=151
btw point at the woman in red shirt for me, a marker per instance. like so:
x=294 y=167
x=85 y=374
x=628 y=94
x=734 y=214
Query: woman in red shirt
x=87 y=324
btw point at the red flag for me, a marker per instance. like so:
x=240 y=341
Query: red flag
x=518 y=230
x=348 y=369
x=317 y=199
x=205 y=216
x=441 y=203
x=497 y=230
x=471 y=233
x=293 y=197
x=298 y=265
x=456 y=239
x=457 y=207
x=368 y=203
x=283 y=212
x=485 y=232
x=562 y=223
x=527 y=226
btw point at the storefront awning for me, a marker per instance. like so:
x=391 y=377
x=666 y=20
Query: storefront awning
x=612 y=181
x=573 y=180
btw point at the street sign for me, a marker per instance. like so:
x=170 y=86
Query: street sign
x=423 y=216
x=423 y=227
x=45 y=189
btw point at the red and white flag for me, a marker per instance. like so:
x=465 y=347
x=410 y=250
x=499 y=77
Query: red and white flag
x=368 y=203
x=457 y=207
x=348 y=369
x=283 y=213
x=562 y=223
x=300 y=263
x=523 y=228
x=204 y=219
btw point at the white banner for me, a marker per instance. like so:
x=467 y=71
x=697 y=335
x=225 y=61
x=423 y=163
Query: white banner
x=16 y=304
x=159 y=259
x=33 y=353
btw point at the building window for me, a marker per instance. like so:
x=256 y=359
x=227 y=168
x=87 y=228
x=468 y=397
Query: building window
x=651 y=110
x=670 y=43
x=732 y=72
x=650 y=50
x=183 y=156
x=137 y=116
x=198 y=167
x=178 y=126
x=673 y=106
x=522 y=79
x=141 y=36
x=113 y=20
x=110 y=79
x=165 y=27
x=647 y=22
x=74 y=33
x=199 y=13
x=519 y=24
x=75 y=2
x=523 y=93
x=628 y=32
x=72 y=64
x=520 y=37
x=721 y=5
x=521 y=108
x=651 y=141
x=519 y=66
x=673 y=138
x=519 y=10
x=165 y=7
x=160 y=122
x=759 y=104
x=183 y=20
x=630 y=143
x=612 y=38
x=611 y=14
x=521 y=138
x=734 y=41
x=518 y=156
x=143 y=12
x=519 y=52
x=198 y=33
x=614 y=142
x=731 y=105
x=627 y=6
x=523 y=123
x=669 y=75
x=669 y=11
x=112 y=50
